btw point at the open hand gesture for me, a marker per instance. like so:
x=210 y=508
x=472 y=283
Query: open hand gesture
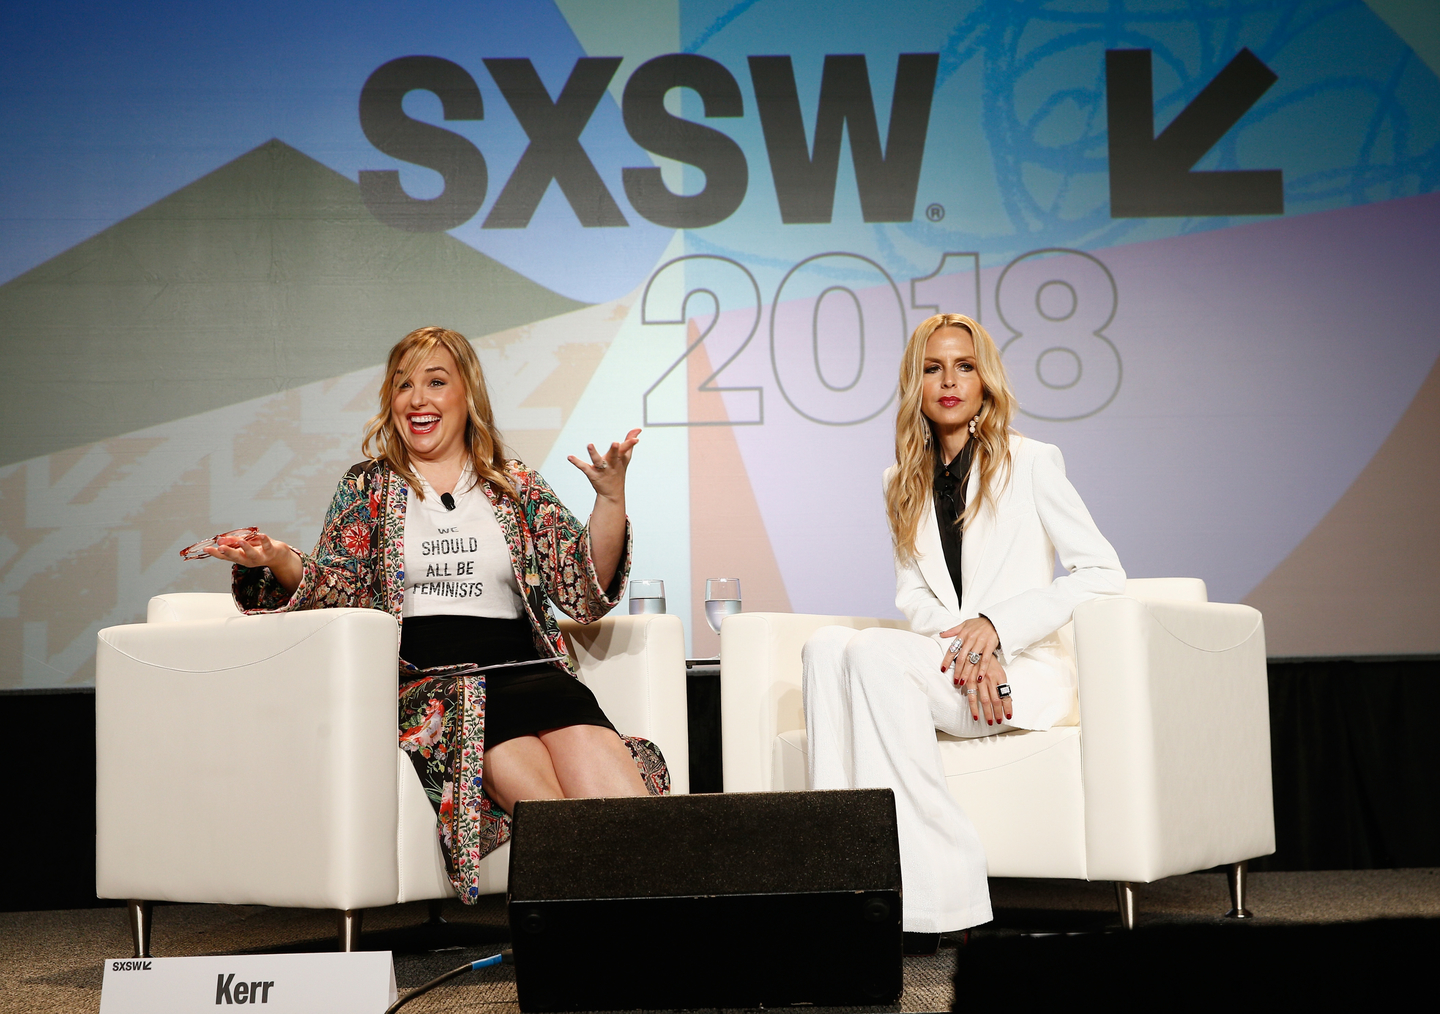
x=607 y=472
x=259 y=550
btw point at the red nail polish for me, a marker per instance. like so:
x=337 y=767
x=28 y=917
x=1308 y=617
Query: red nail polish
x=988 y=722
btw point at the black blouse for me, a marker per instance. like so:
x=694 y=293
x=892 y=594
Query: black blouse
x=950 y=483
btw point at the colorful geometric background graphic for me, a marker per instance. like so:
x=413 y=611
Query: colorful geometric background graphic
x=719 y=221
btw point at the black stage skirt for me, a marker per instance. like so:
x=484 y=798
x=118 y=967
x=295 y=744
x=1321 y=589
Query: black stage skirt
x=518 y=702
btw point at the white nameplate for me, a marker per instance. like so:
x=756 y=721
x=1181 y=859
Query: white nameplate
x=361 y=982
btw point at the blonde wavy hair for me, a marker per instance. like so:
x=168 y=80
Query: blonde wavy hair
x=911 y=488
x=482 y=440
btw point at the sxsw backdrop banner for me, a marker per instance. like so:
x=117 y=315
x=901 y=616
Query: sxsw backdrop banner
x=1206 y=235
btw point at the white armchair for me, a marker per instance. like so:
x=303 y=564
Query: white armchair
x=253 y=759
x=1163 y=767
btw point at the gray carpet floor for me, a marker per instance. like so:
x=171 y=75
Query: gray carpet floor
x=52 y=961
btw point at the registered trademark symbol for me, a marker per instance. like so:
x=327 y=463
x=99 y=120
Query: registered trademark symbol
x=935 y=212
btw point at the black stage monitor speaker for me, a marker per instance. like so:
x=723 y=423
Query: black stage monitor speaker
x=726 y=900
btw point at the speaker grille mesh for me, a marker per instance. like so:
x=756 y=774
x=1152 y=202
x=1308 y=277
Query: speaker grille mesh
x=729 y=843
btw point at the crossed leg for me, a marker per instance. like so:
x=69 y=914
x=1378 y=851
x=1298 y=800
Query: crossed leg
x=570 y=762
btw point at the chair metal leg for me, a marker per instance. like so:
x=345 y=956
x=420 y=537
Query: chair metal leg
x=139 y=912
x=1125 y=898
x=435 y=912
x=1236 y=875
x=350 y=920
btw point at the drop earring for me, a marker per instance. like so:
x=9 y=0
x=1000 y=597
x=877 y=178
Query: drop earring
x=973 y=418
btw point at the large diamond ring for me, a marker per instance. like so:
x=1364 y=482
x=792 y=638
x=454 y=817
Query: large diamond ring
x=1003 y=690
x=955 y=646
x=973 y=658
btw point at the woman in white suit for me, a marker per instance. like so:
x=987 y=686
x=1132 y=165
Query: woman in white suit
x=977 y=514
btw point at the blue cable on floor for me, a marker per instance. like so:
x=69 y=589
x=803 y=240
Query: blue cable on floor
x=504 y=957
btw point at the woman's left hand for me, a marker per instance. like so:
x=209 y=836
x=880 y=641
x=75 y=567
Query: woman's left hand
x=607 y=472
x=607 y=521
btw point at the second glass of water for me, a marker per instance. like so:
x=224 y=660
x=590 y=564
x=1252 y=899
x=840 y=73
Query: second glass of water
x=722 y=599
x=647 y=597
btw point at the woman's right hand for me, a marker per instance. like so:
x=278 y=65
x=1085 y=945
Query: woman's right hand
x=259 y=550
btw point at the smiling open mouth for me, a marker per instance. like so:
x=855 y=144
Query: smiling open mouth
x=423 y=423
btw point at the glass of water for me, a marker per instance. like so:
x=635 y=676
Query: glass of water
x=722 y=599
x=647 y=597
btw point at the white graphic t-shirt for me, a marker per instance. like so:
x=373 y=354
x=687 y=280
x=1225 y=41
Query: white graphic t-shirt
x=457 y=562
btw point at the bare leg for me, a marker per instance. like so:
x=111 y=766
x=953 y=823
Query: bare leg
x=590 y=760
x=570 y=762
x=520 y=768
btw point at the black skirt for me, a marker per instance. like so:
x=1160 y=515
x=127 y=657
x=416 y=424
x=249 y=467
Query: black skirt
x=518 y=702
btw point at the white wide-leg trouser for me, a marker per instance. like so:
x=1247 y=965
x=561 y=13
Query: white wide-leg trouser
x=873 y=700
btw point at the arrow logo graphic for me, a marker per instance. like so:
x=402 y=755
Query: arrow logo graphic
x=1150 y=176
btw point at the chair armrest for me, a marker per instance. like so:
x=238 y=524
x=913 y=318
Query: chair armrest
x=248 y=760
x=182 y=607
x=635 y=665
x=760 y=687
x=1175 y=736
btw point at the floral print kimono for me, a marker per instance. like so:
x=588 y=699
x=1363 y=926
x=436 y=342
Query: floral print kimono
x=360 y=562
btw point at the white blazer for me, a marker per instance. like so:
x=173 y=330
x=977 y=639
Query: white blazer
x=1007 y=570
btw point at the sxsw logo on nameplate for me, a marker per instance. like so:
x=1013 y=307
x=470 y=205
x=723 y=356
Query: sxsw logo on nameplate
x=362 y=982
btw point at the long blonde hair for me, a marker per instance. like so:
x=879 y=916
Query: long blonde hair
x=482 y=440
x=911 y=487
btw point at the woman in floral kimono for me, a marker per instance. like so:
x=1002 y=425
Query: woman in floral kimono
x=463 y=546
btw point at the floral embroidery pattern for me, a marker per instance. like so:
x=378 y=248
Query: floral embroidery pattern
x=356 y=538
x=359 y=561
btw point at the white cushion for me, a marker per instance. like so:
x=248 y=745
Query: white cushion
x=1024 y=793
